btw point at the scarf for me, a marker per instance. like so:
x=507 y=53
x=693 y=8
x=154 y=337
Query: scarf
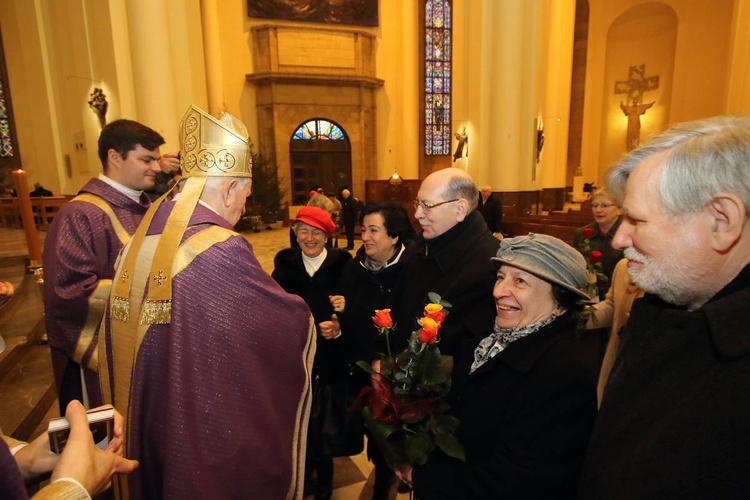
x=500 y=338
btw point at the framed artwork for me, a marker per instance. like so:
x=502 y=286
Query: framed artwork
x=356 y=12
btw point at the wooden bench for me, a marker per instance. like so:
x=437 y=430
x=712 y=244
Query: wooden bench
x=46 y=207
x=10 y=215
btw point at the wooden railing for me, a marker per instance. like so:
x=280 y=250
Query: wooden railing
x=560 y=225
x=45 y=208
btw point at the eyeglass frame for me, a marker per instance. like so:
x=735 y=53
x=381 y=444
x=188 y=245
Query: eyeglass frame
x=602 y=205
x=425 y=207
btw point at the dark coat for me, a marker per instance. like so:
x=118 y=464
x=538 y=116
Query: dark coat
x=602 y=243
x=366 y=291
x=492 y=212
x=674 y=420
x=525 y=418
x=456 y=265
x=289 y=272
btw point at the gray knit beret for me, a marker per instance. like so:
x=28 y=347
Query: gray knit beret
x=546 y=257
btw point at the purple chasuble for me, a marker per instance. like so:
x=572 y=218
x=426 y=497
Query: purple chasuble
x=217 y=396
x=80 y=249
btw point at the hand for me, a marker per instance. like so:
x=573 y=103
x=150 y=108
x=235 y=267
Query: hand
x=83 y=461
x=330 y=329
x=169 y=163
x=404 y=475
x=118 y=439
x=35 y=459
x=6 y=289
x=338 y=302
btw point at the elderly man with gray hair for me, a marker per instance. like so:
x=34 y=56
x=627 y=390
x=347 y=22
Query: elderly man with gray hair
x=207 y=356
x=674 y=417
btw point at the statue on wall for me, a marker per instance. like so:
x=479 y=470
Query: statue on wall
x=634 y=87
x=98 y=104
x=463 y=145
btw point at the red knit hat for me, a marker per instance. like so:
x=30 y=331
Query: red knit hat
x=316 y=217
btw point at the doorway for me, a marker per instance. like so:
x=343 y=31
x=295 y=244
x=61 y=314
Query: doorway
x=320 y=154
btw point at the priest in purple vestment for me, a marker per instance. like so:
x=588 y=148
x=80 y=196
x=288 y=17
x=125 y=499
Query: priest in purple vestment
x=80 y=251
x=206 y=355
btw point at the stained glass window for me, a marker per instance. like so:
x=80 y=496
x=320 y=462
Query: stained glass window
x=437 y=84
x=319 y=129
x=6 y=146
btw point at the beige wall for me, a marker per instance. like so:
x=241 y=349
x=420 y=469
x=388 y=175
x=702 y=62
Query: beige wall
x=700 y=71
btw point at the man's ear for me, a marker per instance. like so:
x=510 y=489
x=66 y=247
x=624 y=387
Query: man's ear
x=729 y=218
x=462 y=209
x=113 y=158
x=227 y=191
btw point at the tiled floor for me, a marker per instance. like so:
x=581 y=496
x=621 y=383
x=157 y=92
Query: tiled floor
x=353 y=476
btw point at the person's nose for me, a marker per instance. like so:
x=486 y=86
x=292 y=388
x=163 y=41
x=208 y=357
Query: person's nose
x=419 y=212
x=623 y=237
x=500 y=290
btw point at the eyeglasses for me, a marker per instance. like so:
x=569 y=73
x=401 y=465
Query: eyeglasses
x=602 y=205
x=428 y=206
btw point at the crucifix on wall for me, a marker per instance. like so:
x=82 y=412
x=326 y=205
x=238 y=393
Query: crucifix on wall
x=635 y=86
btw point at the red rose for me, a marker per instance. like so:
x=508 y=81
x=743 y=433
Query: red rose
x=587 y=232
x=429 y=331
x=382 y=318
x=595 y=256
x=435 y=312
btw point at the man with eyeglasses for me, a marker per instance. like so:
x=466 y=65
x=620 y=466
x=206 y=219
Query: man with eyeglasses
x=454 y=262
x=606 y=212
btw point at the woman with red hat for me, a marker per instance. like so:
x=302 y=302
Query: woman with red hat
x=313 y=271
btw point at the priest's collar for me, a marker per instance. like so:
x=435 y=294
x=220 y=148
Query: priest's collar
x=130 y=193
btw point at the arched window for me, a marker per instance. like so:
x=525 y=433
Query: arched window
x=437 y=76
x=320 y=157
x=319 y=129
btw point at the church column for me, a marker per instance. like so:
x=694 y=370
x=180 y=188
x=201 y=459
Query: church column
x=507 y=89
x=212 y=54
x=153 y=75
x=556 y=82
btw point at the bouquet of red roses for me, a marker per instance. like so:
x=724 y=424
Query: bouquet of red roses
x=404 y=408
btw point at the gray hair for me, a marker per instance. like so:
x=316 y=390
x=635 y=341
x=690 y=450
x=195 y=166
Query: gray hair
x=461 y=185
x=321 y=201
x=606 y=194
x=702 y=158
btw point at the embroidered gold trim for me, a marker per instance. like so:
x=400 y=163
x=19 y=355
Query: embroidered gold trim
x=299 y=440
x=97 y=306
x=102 y=205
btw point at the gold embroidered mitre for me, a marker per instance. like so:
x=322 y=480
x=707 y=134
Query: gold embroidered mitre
x=208 y=148
x=211 y=147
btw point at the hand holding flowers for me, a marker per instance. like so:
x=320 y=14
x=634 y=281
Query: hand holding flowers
x=404 y=408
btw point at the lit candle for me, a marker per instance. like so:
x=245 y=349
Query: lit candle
x=27 y=215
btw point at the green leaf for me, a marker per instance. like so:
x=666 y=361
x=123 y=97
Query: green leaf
x=450 y=446
x=434 y=298
x=419 y=446
x=366 y=367
x=447 y=424
x=428 y=367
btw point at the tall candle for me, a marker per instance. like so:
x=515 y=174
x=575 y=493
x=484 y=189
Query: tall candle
x=27 y=215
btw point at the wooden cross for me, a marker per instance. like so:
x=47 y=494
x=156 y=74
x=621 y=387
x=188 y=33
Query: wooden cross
x=636 y=85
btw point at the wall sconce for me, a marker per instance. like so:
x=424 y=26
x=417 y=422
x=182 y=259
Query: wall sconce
x=395 y=179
